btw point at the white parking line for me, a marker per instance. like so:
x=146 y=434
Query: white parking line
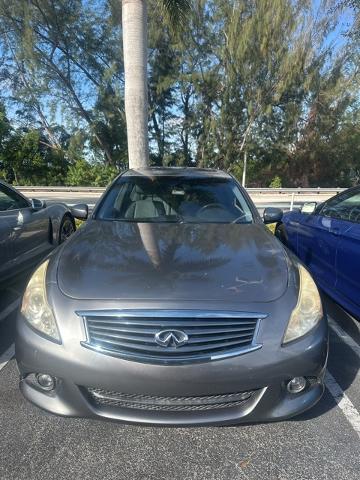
x=344 y=402
x=10 y=309
x=340 y=397
x=7 y=356
x=345 y=337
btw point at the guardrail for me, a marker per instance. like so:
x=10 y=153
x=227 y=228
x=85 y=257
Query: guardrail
x=60 y=189
x=257 y=190
x=298 y=191
x=285 y=198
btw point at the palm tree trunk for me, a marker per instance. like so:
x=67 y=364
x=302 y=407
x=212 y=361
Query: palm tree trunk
x=134 y=26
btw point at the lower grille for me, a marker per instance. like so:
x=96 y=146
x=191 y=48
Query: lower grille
x=171 y=336
x=106 y=398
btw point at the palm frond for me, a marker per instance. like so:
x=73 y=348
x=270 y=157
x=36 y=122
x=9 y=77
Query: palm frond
x=175 y=11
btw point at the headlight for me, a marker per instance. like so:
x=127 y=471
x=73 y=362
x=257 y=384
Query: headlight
x=308 y=311
x=35 y=307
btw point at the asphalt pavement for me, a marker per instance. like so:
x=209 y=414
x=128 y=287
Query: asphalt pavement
x=320 y=444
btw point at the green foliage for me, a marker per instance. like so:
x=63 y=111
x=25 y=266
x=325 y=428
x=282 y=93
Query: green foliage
x=27 y=159
x=82 y=173
x=5 y=127
x=275 y=182
x=175 y=11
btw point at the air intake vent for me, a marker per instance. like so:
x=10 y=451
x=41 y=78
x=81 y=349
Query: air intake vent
x=105 y=398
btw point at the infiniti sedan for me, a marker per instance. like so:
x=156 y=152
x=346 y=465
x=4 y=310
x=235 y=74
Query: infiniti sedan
x=173 y=305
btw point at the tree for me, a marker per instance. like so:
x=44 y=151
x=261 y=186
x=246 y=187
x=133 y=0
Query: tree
x=134 y=31
x=84 y=173
x=28 y=160
x=354 y=5
x=5 y=133
x=63 y=52
x=163 y=73
x=277 y=79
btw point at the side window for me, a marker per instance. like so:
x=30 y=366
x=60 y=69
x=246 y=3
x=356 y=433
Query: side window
x=9 y=200
x=344 y=207
x=113 y=203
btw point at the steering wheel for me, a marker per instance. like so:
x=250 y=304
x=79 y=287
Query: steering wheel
x=357 y=216
x=209 y=206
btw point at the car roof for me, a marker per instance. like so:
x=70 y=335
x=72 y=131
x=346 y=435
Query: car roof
x=190 y=172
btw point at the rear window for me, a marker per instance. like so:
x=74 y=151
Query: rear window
x=175 y=199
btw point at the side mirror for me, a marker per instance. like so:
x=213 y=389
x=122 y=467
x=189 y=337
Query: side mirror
x=272 y=215
x=308 y=208
x=37 y=204
x=80 y=211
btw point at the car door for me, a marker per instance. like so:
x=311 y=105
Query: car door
x=347 y=229
x=317 y=245
x=32 y=237
x=8 y=220
x=30 y=229
x=291 y=222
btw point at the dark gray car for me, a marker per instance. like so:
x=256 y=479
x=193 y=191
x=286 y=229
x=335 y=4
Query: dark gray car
x=174 y=305
x=29 y=230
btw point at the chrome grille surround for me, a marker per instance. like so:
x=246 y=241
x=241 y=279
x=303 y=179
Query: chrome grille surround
x=130 y=334
x=105 y=398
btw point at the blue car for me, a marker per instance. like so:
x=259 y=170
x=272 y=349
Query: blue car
x=326 y=237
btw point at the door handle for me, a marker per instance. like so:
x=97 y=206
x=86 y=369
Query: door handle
x=16 y=229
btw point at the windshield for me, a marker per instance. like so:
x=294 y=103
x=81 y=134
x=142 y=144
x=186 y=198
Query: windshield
x=175 y=199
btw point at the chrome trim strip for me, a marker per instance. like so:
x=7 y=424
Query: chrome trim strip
x=169 y=313
x=169 y=360
x=254 y=346
x=86 y=329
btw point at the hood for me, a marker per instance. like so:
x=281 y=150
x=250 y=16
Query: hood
x=168 y=261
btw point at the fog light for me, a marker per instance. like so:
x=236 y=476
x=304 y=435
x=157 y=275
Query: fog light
x=46 y=382
x=296 y=385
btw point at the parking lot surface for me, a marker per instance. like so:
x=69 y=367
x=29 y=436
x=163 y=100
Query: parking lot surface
x=320 y=444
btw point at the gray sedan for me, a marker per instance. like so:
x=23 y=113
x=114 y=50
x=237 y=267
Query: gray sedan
x=173 y=305
x=29 y=230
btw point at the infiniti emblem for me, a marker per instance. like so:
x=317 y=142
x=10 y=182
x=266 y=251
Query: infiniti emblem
x=171 y=338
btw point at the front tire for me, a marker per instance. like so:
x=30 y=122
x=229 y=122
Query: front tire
x=67 y=228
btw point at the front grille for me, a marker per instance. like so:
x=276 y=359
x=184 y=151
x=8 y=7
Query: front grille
x=106 y=398
x=194 y=336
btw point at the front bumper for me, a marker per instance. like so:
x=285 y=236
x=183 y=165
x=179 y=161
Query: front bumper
x=264 y=372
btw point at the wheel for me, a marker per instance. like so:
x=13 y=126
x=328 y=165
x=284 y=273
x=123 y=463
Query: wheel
x=67 y=228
